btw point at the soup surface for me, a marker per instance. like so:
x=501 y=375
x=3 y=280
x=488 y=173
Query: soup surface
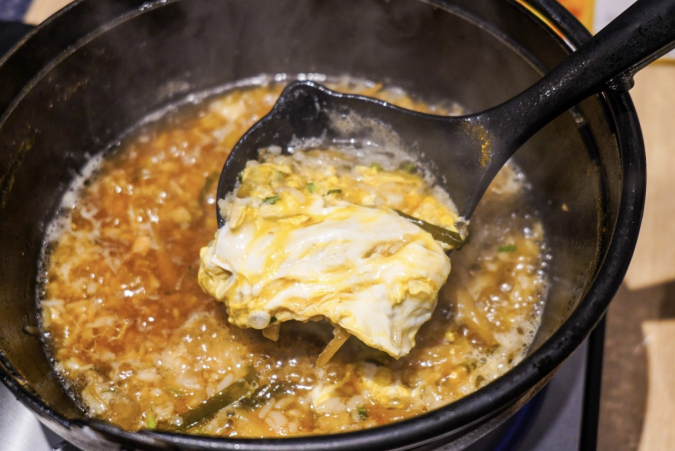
x=140 y=344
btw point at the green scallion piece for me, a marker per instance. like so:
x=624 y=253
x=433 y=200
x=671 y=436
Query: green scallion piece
x=376 y=166
x=446 y=236
x=209 y=408
x=509 y=248
x=410 y=168
x=333 y=191
x=271 y=200
x=150 y=421
x=311 y=187
x=363 y=414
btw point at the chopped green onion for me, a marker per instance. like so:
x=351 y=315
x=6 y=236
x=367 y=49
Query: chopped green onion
x=271 y=200
x=410 y=168
x=446 y=236
x=509 y=248
x=273 y=320
x=333 y=191
x=240 y=176
x=150 y=422
x=363 y=414
x=376 y=166
x=311 y=187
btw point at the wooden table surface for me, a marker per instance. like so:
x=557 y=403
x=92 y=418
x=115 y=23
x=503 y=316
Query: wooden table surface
x=654 y=97
x=638 y=399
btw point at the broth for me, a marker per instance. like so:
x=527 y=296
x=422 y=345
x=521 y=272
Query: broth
x=139 y=343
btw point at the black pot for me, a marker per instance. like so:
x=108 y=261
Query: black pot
x=86 y=76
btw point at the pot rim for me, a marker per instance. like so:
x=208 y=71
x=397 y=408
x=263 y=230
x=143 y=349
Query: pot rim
x=505 y=390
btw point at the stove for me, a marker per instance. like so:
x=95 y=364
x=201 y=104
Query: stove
x=562 y=417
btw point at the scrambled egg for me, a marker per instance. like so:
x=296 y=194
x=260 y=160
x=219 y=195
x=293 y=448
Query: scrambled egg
x=378 y=384
x=315 y=235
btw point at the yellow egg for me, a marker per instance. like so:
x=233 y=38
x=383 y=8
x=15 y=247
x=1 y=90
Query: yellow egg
x=302 y=241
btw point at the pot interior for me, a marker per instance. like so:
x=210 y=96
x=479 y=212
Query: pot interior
x=71 y=93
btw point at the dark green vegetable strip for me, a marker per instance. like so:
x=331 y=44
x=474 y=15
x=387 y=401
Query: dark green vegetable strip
x=446 y=236
x=508 y=248
x=263 y=394
x=240 y=389
x=212 y=177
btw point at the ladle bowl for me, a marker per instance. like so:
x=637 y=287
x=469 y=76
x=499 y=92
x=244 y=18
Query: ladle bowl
x=473 y=148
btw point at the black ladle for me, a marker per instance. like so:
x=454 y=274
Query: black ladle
x=469 y=149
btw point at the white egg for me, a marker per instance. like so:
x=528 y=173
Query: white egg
x=305 y=240
x=333 y=266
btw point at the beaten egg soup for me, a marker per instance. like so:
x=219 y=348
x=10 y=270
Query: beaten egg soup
x=140 y=344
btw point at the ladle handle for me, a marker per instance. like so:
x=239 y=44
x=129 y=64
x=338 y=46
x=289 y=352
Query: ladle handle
x=608 y=60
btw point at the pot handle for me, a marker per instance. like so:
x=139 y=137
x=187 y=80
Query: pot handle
x=608 y=60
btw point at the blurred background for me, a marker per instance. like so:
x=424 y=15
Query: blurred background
x=637 y=399
x=637 y=407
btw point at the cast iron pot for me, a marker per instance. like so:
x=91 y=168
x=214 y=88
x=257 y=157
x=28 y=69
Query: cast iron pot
x=89 y=74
